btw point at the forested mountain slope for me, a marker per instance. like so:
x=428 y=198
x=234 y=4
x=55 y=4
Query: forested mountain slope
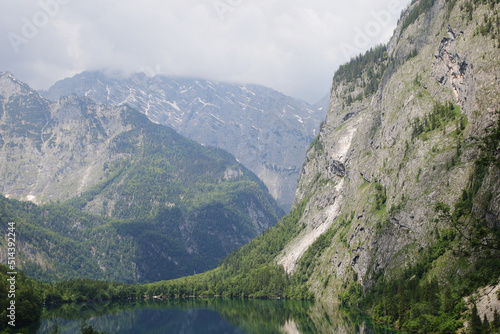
x=129 y=190
x=265 y=130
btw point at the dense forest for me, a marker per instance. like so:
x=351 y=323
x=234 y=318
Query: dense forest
x=72 y=244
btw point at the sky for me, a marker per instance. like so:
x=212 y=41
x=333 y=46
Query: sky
x=293 y=46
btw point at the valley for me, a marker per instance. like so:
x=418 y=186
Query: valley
x=396 y=210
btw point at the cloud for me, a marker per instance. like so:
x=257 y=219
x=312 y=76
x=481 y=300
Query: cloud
x=293 y=46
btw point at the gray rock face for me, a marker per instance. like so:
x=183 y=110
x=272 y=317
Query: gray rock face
x=265 y=130
x=370 y=177
x=45 y=151
x=452 y=70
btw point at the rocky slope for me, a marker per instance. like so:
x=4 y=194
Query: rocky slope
x=398 y=203
x=178 y=201
x=265 y=130
x=384 y=159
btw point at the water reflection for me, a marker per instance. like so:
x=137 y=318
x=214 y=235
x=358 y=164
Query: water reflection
x=210 y=316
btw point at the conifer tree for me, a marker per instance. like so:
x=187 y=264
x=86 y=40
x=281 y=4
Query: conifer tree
x=495 y=325
x=475 y=323
x=486 y=325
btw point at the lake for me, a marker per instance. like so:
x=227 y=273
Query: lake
x=210 y=316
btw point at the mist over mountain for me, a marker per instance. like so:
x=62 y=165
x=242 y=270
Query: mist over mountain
x=265 y=130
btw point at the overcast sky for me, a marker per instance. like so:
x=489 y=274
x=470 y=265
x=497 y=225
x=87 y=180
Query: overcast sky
x=293 y=46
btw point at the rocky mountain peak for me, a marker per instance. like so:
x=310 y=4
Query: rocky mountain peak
x=9 y=85
x=266 y=130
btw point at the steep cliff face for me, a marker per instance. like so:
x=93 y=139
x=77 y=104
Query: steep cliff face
x=384 y=159
x=52 y=151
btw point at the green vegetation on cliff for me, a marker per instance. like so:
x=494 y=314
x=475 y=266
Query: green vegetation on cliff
x=422 y=174
x=364 y=70
x=416 y=11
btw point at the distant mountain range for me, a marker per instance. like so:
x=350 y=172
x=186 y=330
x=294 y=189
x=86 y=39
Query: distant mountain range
x=265 y=130
x=130 y=200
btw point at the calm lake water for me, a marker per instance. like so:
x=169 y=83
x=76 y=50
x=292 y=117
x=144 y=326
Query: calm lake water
x=213 y=316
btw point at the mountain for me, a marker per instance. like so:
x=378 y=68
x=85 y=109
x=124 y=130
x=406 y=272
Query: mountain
x=398 y=202
x=409 y=167
x=265 y=130
x=116 y=188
